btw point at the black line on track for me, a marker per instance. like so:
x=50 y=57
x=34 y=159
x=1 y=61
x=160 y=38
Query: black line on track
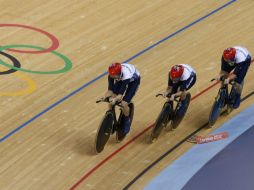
x=173 y=148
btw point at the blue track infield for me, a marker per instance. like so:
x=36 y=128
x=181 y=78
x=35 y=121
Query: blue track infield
x=224 y=164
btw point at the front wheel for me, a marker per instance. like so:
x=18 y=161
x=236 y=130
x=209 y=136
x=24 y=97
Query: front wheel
x=104 y=131
x=161 y=121
x=216 y=108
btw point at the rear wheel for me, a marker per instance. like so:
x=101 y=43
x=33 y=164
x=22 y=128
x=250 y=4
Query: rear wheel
x=161 y=121
x=104 y=131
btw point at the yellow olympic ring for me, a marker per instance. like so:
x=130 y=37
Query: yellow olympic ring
x=31 y=86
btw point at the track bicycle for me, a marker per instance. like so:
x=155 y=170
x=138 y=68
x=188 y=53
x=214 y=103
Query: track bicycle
x=223 y=99
x=110 y=124
x=170 y=115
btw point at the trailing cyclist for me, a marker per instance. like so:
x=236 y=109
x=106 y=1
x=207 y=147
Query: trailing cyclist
x=235 y=63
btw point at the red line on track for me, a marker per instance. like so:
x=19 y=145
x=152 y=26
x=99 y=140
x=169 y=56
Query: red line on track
x=108 y=158
x=205 y=90
x=86 y=175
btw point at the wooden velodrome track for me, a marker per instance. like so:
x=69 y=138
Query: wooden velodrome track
x=51 y=148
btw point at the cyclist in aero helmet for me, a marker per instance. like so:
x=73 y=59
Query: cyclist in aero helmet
x=236 y=60
x=181 y=78
x=123 y=82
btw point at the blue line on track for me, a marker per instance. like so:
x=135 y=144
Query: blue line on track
x=102 y=75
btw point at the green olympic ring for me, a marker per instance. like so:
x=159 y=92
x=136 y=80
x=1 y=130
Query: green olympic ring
x=68 y=63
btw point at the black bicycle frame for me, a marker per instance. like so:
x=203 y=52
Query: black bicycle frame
x=115 y=123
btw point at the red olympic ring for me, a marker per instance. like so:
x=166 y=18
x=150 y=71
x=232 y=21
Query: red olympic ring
x=54 y=40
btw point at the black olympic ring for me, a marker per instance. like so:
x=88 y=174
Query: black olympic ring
x=15 y=62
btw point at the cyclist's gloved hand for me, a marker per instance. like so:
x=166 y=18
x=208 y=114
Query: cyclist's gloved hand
x=101 y=99
x=219 y=78
x=105 y=98
x=112 y=100
x=116 y=99
x=226 y=81
x=172 y=97
x=165 y=94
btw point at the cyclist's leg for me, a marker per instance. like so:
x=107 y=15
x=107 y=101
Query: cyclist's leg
x=129 y=94
x=188 y=86
x=236 y=99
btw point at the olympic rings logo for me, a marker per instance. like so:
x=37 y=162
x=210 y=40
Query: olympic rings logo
x=16 y=65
